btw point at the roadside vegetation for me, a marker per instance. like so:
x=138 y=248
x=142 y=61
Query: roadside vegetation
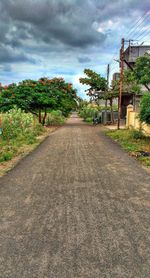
x=18 y=129
x=145 y=109
x=30 y=110
x=89 y=111
x=134 y=142
x=55 y=118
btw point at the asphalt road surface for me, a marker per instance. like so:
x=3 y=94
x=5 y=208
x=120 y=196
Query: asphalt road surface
x=76 y=207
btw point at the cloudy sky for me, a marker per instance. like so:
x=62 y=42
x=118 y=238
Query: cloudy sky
x=62 y=37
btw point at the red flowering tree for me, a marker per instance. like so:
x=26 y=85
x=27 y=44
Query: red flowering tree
x=39 y=96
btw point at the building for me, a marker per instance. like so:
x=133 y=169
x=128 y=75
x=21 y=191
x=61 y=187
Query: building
x=133 y=52
x=130 y=55
x=116 y=76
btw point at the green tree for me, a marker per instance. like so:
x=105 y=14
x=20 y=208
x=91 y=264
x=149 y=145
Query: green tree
x=39 y=96
x=97 y=83
x=139 y=75
x=142 y=70
x=145 y=108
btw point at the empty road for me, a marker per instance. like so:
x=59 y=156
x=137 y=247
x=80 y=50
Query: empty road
x=77 y=207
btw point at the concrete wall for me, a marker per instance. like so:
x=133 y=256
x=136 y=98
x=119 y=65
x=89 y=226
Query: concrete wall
x=132 y=121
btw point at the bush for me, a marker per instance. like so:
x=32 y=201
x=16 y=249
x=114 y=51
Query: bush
x=6 y=157
x=16 y=123
x=88 y=112
x=18 y=129
x=137 y=134
x=55 y=118
x=145 y=109
x=89 y=120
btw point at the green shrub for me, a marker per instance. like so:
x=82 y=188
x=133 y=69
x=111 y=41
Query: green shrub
x=18 y=129
x=16 y=122
x=31 y=139
x=55 y=118
x=145 y=109
x=89 y=120
x=6 y=156
x=137 y=134
x=88 y=112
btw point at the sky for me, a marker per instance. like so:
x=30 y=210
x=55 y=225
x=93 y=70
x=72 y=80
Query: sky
x=49 y=38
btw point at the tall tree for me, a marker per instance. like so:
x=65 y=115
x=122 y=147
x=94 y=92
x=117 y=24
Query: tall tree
x=142 y=70
x=97 y=83
x=39 y=96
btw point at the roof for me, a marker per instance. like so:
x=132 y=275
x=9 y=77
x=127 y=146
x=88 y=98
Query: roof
x=136 y=46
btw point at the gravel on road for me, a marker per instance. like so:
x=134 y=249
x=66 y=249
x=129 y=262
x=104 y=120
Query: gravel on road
x=76 y=207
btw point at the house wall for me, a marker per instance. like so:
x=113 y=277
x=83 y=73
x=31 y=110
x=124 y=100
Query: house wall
x=132 y=121
x=133 y=52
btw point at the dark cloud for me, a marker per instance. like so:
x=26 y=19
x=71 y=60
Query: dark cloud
x=83 y=60
x=64 y=22
x=63 y=33
x=9 y=55
x=5 y=68
x=68 y=22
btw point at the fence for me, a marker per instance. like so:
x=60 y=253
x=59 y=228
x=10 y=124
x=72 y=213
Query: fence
x=132 y=121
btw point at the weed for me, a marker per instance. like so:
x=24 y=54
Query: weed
x=132 y=141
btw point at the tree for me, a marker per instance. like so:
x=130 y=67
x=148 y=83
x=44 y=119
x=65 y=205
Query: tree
x=97 y=83
x=142 y=70
x=39 y=96
x=139 y=75
x=145 y=108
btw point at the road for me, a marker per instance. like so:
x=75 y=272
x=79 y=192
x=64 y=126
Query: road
x=76 y=207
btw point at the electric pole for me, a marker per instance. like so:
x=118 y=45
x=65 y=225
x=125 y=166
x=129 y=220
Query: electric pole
x=121 y=80
x=108 y=71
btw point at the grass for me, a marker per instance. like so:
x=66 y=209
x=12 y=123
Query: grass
x=133 y=142
x=21 y=132
x=13 y=150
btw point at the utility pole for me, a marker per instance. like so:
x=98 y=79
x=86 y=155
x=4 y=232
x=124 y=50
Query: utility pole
x=108 y=72
x=121 y=80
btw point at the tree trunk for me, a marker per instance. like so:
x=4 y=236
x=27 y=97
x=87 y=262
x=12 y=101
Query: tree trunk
x=106 y=104
x=112 y=112
x=44 y=118
x=40 y=117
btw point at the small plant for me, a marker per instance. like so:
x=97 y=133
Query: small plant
x=134 y=142
x=6 y=157
x=137 y=134
x=89 y=120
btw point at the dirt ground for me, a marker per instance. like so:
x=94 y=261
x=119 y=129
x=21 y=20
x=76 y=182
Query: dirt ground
x=77 y=207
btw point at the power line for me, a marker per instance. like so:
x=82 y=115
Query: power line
x=142 y=29
x=135 y=23
x=131 y=32
x=142 y=35
x=137 y=29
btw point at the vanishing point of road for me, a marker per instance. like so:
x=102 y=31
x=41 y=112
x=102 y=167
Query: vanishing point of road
x=77 y=207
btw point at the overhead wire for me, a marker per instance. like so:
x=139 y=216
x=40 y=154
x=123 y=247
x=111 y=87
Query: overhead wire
x=139 y=25
x=144 y=34
x=137 y=31
x=136 y=23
